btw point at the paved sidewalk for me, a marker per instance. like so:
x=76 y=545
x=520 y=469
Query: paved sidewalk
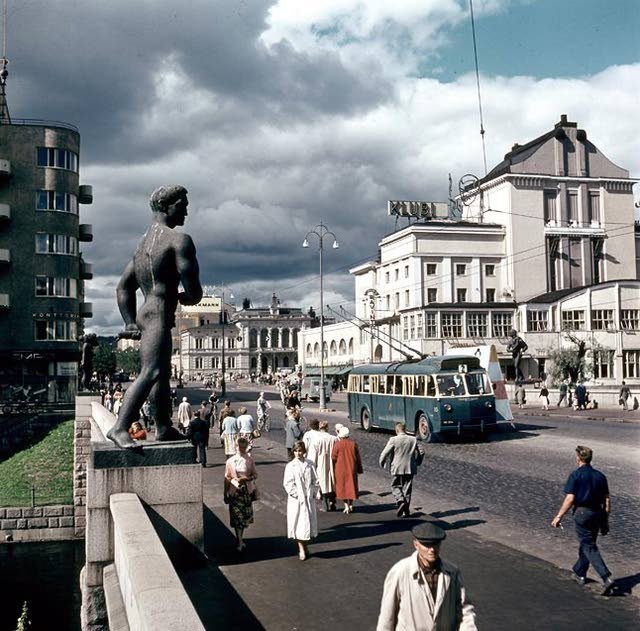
x=340 y=585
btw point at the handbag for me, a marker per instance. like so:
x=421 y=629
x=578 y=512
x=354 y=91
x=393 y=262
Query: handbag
x=256 y=433
x=254 y=495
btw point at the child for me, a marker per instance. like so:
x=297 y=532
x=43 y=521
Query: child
x=544 y=395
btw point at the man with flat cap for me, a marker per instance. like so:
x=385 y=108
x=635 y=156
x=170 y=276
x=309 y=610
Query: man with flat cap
x=424 y=592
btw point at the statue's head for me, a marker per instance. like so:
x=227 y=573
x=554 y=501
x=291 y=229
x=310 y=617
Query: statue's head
x=172 y=201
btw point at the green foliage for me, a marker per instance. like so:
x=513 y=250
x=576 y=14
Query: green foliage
x=23 y=621
x=570 y=363
x=104 y=360
x=47 y=465
x=128 y=360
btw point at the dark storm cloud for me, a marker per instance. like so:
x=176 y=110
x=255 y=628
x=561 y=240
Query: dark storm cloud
x=98 y=62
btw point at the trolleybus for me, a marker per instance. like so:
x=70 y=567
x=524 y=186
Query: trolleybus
x=434 y=396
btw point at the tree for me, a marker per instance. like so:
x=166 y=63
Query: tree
x=104 y=361
x=128 y=360
x=23 y=621
x=570 y=363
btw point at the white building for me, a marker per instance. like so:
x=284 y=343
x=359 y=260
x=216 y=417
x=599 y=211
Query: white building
x=548 y=244
x=252 y=341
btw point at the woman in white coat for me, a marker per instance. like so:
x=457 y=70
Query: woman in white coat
x=301 y=484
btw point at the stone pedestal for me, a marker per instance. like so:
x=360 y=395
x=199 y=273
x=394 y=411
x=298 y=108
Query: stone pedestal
x=164 y=476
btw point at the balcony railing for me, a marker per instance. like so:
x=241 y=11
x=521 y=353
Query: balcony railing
x=37 y=122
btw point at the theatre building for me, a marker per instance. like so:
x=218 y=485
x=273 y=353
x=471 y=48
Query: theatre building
x=547 y=244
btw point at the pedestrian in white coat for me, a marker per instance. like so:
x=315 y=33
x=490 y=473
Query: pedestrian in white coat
x=184 y=414
x=324 y=465
x=301 y=484
x=424 y=592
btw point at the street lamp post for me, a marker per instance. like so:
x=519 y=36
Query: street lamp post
x=321 y=231
x=221 y=288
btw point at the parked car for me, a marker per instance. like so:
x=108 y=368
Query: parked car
x=310 y=390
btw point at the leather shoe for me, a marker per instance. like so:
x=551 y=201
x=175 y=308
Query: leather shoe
x=581 y=580
x=607 y=586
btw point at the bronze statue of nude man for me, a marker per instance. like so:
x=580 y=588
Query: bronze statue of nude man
x=163 y=260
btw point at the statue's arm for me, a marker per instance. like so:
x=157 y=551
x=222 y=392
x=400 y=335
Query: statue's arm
x=126 y=296
x=189 y=271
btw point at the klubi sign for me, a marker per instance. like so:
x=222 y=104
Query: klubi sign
x=418 y=210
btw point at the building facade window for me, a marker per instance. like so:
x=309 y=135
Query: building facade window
x=432 y=269
x=406 y=298
x=56 y=287
x=461 y=269
x=550 y=206
x=603 y=319
x=477 y=324
x=489 y=270
x=630 y=319
x=397 y=300
x=461 y=295
x=57 y=158
x=630 y=364
x=198 y=362
x=419 y=329
x=432 y=295
x=406 y=271
x=537 y=320
x=412 y=327
x=386 y=277
x=55 y=330
x=231 y=362
x=231 y=342
x=405 y=328
x=451 y=325
x=396 y=274
x=199 y=345
x=501 y=324
x=603 y=364
x=572 y=207
x=388 y=302
x=593 y=207
x=56 y=244
x=430 y=325
x=57 y=200
x=490 y=294
x=573 y=320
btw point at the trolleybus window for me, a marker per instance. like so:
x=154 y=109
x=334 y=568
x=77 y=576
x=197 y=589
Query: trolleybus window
x=366 y=383
x=450 y=385
x=477 y=383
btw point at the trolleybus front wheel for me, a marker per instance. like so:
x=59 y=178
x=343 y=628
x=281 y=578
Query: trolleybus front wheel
x=365 y=420
x=423 y=429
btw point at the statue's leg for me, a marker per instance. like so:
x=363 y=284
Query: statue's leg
x=161 y=398
x=136 y=394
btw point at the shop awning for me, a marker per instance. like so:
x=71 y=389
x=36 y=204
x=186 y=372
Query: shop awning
x=329 y=371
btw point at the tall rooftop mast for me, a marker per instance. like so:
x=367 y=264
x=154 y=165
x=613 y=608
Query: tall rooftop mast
x=5 y=118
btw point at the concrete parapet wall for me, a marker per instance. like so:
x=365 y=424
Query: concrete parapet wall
x=81 y=450
x=153 y=595
x=38 y=523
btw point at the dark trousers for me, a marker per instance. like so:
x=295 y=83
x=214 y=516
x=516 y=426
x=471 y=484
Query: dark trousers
x=401 y=487
x=587 y=523
x=201 y=450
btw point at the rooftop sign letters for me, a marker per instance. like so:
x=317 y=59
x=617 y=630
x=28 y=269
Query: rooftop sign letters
x=419 y=210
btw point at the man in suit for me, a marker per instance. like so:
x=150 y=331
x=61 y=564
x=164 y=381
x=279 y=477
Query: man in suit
x=198 y=434
x=406 y=455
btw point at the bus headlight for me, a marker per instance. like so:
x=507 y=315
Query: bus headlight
x=488 y=405
x=447 y=407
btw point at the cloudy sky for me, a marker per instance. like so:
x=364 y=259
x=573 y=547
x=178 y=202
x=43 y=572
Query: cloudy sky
x=279 y=114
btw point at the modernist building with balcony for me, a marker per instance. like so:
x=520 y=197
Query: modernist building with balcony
x=42 y=308
x=547 y=244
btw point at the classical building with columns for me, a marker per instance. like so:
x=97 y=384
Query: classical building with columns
x=254 y=341
x=548 y=243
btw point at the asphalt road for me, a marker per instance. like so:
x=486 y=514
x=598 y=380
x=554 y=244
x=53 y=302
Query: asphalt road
x=508 y=488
